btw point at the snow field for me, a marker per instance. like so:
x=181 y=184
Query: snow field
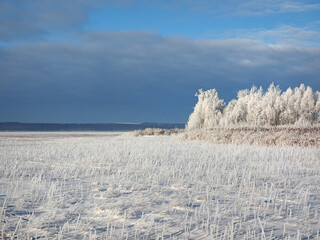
x=154 y=187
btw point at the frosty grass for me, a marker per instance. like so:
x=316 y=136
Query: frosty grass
x=102 y=186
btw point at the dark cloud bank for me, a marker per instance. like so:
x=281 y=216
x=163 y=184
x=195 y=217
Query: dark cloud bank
x=34 y=19
x=138 y=76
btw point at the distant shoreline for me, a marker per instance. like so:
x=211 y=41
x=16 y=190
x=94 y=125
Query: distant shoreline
x=52 y=127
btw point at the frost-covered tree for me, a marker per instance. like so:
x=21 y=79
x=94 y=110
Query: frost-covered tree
x=255 y=108
x=207 y=111
x=317 y=107
x=245 y=109
x=237 y=112
x=287 y=115
x=308 y=111
x=271 y=105
x=297 y=96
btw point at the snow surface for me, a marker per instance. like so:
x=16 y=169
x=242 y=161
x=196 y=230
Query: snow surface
x=101 y=186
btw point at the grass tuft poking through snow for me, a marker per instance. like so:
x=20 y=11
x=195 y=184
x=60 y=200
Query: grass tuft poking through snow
x=108 y=187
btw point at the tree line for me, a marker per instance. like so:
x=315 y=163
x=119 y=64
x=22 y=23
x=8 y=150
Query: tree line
x=254 y=107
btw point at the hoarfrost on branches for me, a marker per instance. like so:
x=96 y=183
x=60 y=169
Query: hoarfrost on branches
x=253 y=107
x=208 y=110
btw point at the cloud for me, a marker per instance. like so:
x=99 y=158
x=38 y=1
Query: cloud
x=267 y=7
x=282 y=35
x=234 y=7
x=291 y=36
x=31 y=19
x=140 y=76
x=34 y=19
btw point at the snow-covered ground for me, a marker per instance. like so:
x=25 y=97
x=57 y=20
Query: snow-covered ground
x=105 y=186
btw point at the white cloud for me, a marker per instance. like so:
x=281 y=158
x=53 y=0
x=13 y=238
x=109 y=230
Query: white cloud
x=248 y=7
x=33 y=19
x=284 y=35
x=266 y=7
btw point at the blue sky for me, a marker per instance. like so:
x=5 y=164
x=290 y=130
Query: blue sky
x=143 y=61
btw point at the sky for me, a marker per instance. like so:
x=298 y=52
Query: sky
x=99 y=61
